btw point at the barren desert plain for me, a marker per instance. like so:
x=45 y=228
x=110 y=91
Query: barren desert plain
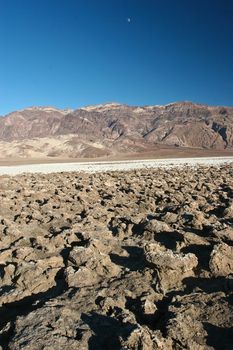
x=121 y=255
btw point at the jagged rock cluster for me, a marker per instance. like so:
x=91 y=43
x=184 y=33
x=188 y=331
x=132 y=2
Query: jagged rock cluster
x=124 y=260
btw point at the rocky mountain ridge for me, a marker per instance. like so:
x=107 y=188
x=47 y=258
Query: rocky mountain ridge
x=114 y=128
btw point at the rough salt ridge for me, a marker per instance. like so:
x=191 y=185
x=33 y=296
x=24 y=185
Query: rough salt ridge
x=117 y=260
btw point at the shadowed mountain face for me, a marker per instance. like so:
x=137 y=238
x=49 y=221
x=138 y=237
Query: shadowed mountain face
x=112 y=128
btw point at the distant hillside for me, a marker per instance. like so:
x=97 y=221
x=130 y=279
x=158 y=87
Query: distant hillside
x=110 y=129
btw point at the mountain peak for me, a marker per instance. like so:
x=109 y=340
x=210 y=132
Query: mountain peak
x=46 y=109
x=103 y=106
x=114 y=128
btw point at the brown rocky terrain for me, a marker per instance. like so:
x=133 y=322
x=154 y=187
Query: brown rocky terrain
x=113 y=129
x=121 y=260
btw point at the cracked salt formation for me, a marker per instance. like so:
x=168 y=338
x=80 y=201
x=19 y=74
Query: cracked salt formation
x=117 y=260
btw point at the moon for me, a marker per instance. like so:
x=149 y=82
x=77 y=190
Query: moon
x=129 y=20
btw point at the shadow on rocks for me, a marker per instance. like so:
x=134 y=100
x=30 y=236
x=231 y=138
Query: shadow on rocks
x=208 y=285
x=9 y=312
x=219 y=338
x=169 y=239
x=206 y=232
x=229 y=298
x=106 y=331
x=134 y=262
x=218 y=211
x=6 y=289
x=202 y=252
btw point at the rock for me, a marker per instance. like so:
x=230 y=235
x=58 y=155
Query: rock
x=9 y=273
x=157 y=226
x=32 y=278
x=148 y=306
x=198 y=221
x=80 y=255
x=221 y=260
x=225 y=234
x=90 y=265
x=171 y=267
x=83 y=277
x=228 y=212
x=191 y=315
x=162 y=343
x=109 y=303
x=185 y=330
x=139 y=339
x=170 y=218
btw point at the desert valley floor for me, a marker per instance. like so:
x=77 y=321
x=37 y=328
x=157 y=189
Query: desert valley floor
x=20 y=167
x=139 y=259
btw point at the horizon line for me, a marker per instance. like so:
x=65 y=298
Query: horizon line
x=113 y=103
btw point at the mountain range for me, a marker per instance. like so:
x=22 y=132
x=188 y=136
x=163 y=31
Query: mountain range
x=113 y=129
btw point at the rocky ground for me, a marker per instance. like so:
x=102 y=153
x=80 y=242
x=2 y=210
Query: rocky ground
x=120 y=260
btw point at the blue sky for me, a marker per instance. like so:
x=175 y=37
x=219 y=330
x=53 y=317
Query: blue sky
x=71 y=53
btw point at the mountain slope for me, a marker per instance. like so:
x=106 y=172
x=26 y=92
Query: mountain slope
x=114 y=128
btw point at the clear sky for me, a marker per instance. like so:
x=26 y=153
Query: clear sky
x=71 y=53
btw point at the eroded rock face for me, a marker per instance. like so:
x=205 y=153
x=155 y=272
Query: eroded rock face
x=118 y=260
